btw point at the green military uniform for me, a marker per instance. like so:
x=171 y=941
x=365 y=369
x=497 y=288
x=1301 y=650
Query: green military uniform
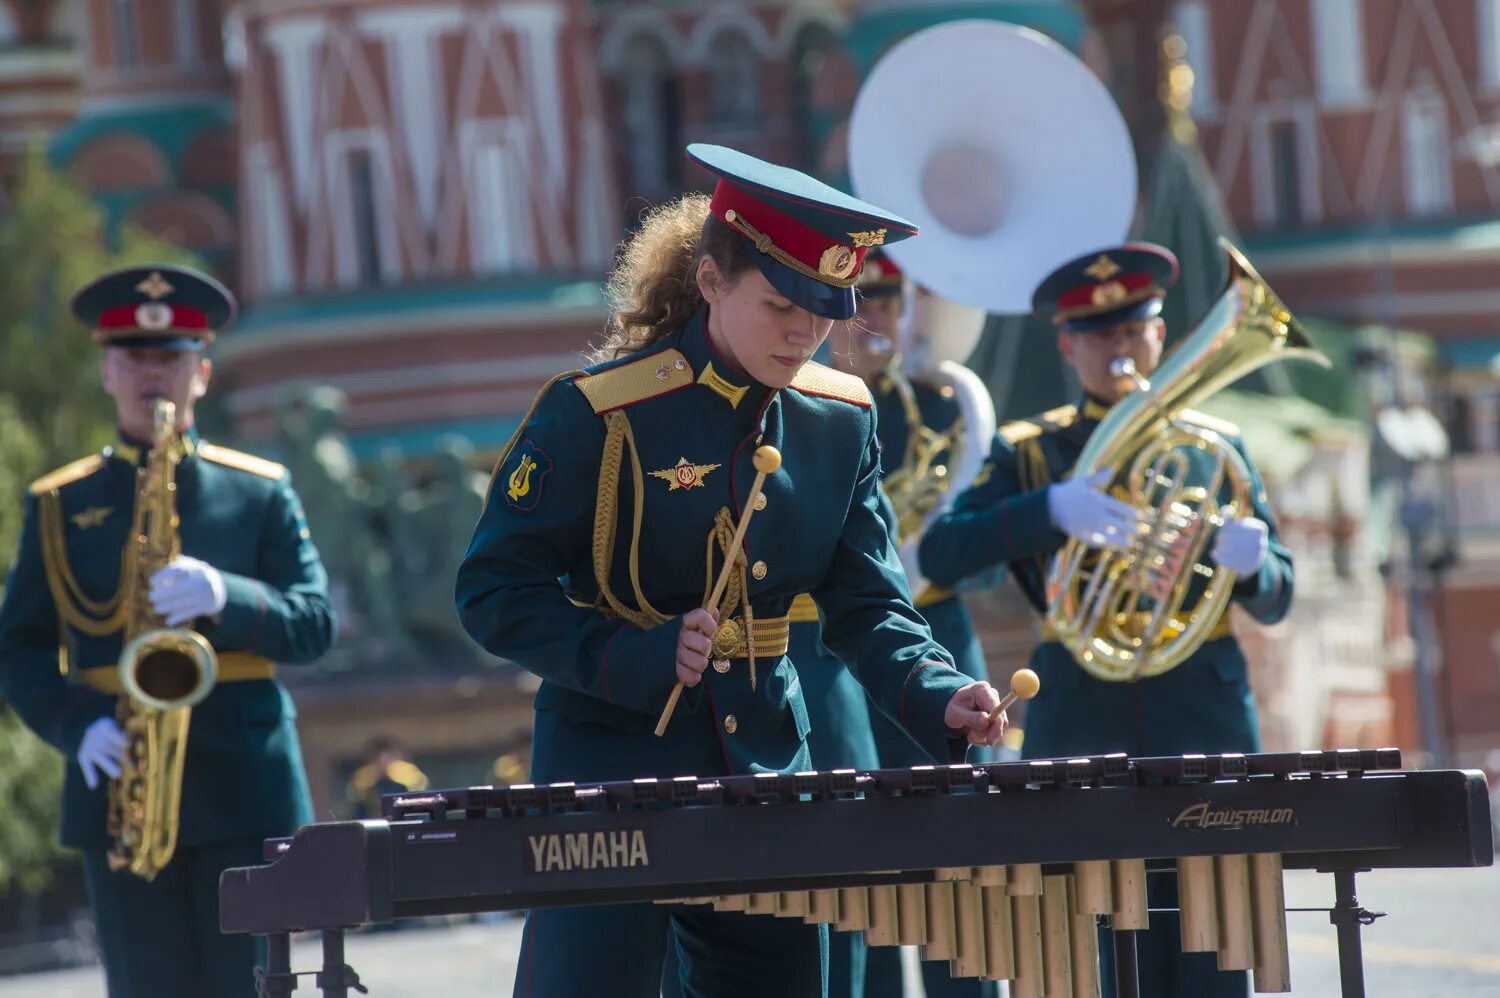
x=1203 y=705
x=374 y=780
x=610 y=515
x=243 y=779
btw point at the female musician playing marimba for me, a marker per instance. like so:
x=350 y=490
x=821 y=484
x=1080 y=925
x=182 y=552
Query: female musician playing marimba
x=597 y=563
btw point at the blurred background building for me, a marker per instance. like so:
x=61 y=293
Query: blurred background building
x=416 y=201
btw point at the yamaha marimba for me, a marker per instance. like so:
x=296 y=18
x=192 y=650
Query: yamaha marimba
x=1070 y=844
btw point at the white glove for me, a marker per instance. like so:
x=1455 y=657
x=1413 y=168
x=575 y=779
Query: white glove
x=102 y=750
x=1241 y=545
x=187 y=589
x=1079 y=508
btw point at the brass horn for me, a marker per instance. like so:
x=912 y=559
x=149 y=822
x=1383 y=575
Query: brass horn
x=1132 y=613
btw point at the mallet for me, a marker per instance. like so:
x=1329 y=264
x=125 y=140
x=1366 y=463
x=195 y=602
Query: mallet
x=1024 y=685
x=767 y=459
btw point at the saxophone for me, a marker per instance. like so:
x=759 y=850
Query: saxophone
x=936 y=335
x=163 y=673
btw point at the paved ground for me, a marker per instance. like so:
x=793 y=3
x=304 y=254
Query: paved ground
x=1442 y=938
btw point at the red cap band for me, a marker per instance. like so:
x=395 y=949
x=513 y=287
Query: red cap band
x=152 y=317
x=825 y=259
x=1105 y=295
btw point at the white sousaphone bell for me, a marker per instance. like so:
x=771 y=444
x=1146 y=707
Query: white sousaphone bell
x=1012 y=157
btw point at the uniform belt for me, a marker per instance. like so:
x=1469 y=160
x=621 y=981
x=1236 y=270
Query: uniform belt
x=1222 y=629
x=931 y=594
x=234 y=667
x=804 y=610
x=770 y=636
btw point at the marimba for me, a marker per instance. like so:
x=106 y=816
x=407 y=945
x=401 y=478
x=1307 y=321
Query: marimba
x=1071 y=843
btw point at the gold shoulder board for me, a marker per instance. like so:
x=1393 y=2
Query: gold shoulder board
x=825 y=382
x=1203 y=419
x=241 y=461
x=67 y=474
x=1060 y=418
x=1018 y=430
x=637 y=381
x=1050 y=421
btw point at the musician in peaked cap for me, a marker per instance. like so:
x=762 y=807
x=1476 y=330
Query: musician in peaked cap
x=1022 y=509
x=248 y=579
x=606 y=526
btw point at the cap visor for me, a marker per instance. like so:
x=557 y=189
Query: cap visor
x=1148 y=309
x=818 y=298
x=157 y=342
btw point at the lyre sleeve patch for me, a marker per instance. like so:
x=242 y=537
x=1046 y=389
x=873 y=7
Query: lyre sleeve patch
x=524 y=475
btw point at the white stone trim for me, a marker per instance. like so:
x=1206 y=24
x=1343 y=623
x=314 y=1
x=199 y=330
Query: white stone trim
x=1338 y=56
x=625 y=27
x=337 y=145
x=804 y=16
x=722 y=18
x=1303 y=113
x=294 y=42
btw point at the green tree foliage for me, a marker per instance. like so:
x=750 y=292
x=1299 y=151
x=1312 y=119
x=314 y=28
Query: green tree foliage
x=31 y=776
x=53 y=241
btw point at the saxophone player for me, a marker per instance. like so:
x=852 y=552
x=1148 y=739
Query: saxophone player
x=1021 y=509
x=920 y=426
x=247 y=579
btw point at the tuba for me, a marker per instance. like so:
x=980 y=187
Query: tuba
x=1025 y=161
x=1128 y=614
x=163 y=673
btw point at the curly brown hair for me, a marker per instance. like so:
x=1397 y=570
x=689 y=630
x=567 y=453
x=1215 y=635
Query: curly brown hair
x=653 y=289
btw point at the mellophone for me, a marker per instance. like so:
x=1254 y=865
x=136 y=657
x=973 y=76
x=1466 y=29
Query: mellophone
x=891 y=853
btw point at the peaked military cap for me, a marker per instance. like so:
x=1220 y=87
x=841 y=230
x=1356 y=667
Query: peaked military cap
x=880 y=277
x=1107 y=287
x=171 y=308
x=808 y=239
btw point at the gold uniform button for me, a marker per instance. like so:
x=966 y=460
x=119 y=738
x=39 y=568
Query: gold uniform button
x=758 y=570
x=760 y=502
x=721 y=665
x=730 y=724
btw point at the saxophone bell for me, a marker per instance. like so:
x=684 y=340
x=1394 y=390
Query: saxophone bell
x=168 y=668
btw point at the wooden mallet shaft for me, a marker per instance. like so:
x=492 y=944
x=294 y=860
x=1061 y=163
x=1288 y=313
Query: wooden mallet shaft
x=767 y=459
x=1024 y=685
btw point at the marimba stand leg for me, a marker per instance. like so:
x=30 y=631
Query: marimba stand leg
x=336 y=977
x=277 y=979
x=1127 y=972
x=1347 y=917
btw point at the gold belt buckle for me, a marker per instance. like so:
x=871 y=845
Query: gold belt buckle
x=729 y=642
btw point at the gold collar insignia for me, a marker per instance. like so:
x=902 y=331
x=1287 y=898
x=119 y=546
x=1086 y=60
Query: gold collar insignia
x=720 y=386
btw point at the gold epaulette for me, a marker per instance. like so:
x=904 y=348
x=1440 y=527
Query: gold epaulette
x=407 y=774
x=363 y=779
x=67 y=474
x=825 y=382
x=636 y=381
x=1050 y=421
x=1203 y=419
x=241 y=461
